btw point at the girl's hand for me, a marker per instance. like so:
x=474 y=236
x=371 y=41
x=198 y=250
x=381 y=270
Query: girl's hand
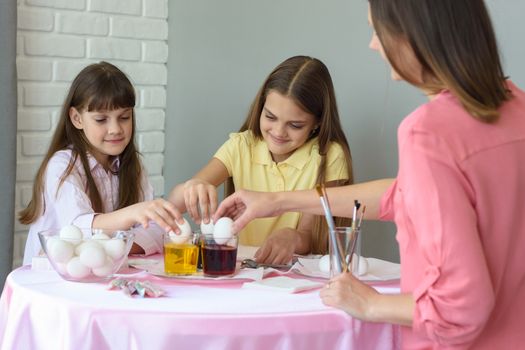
x=200 y=198
x=347 y=293
x=278 y=248
x=164 y=213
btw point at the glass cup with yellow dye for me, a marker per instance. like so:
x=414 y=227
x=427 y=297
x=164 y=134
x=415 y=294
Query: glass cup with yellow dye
x=181 y=254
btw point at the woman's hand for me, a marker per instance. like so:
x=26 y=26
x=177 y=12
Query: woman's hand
x=243 y=206
x=347 y=293
x=278 y=248
x=200 y=198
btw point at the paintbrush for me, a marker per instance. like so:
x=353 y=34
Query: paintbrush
x=331 y=227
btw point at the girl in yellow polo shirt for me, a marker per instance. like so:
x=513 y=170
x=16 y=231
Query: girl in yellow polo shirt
x=292 y=139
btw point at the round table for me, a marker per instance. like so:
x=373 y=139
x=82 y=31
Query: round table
x=39 y=310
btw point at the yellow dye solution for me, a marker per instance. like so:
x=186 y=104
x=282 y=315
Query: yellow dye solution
x=180 y=259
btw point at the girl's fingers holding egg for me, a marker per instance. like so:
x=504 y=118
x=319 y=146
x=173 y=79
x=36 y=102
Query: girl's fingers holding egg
x=173 y=211
x=191 y=203
x=161 y=222
x=213 y=200
x=203 y=203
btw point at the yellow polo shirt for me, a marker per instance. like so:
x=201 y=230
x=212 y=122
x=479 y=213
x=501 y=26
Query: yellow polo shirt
x=250 y=164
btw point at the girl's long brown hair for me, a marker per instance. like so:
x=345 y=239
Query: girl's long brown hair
x=307 y=81
x=455 y=44
x=98 y=87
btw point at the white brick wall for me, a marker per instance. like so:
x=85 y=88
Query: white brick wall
x=55 y=40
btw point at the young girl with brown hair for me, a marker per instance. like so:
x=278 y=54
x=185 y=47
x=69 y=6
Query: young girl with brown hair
x=91 y=175
x=292 y=139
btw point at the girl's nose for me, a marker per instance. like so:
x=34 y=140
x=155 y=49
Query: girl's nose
x=114 y=128
x=280 y=130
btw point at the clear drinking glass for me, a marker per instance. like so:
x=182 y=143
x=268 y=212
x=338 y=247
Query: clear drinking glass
x=181 y=255
x=347 y=241
x=218 y=258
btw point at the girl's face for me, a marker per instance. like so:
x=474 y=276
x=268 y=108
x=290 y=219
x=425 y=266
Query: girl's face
x=108 y=132
x=284 y=125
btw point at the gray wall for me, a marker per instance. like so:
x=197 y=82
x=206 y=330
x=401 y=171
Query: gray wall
x=221 y=51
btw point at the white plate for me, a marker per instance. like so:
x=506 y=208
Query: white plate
x=378 y=270
x=157 y=268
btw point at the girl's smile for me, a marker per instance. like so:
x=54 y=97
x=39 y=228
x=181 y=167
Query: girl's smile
x=284 y=125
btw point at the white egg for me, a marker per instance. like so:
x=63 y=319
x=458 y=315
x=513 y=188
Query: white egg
x=70 y=232
x=324 y=263
x=115 y=248
x=222 y=230
x=61 y=251
x=178 y=239
x=363 y=265
x=185 y=228
x=100 y=236
x=104 y=270
x=207 y=229
x=83 y=245
x=76 y=269
x=61 y=268
x=93 y=256
x=51 y=241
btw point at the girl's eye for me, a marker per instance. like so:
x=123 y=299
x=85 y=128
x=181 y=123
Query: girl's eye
x=271 y=117
x=100 y=121
x=296 y=126
x=125 y=117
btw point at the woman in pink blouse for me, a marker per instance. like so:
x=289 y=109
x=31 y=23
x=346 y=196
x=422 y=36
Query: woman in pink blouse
x=459 y=198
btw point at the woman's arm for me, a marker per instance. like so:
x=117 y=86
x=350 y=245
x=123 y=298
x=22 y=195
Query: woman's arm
x=245 y=206
x=359 y=300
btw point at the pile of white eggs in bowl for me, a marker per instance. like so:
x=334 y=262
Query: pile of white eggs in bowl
x=86 y=255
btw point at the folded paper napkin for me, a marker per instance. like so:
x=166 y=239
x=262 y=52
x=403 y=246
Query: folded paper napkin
x=283 y=284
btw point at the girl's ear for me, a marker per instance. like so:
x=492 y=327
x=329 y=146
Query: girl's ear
x=75 y=117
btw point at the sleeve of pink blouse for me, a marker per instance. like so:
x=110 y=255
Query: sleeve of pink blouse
x=150 y=239
x=454 y=297
x=386 y=205
x=71 y=199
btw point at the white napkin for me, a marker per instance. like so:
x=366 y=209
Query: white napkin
x=378 y=270
x=283 y=284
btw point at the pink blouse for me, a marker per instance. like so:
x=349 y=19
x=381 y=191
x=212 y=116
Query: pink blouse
x=71 y=204
x=459 y=206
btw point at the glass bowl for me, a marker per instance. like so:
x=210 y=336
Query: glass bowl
x=86 y=255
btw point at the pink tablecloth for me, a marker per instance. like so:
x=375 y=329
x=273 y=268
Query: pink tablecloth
x=38 y=310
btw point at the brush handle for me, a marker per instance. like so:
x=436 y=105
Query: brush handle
x=333 y=236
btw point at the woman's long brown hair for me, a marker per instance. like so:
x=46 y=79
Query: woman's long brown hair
x=98 y=87
x=307 y=81
x=455 y=44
